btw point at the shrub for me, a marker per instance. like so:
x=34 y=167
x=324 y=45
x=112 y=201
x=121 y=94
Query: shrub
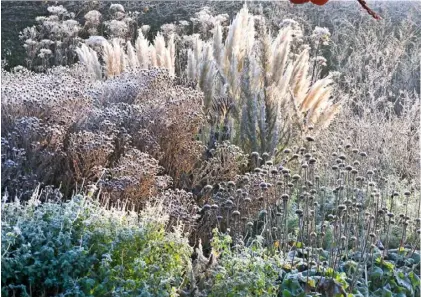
x=241 y=271
x=60 y=128
x=80 y=248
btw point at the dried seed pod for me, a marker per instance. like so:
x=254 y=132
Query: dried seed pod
x=214 y=206
x=263 y=213
x=208 y=188
x=296 y=177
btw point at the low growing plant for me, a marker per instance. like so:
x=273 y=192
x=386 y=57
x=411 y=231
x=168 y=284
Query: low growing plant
x=79 y=248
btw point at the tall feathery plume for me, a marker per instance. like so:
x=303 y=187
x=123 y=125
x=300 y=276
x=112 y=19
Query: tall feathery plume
x=321 y=104
x=329 y=115
x=152 y=56
x=206 y=74
x=191 y=65
x=131 y=56
x=159 y=44
x=197 y=51
x=142 y=50
x=280 y=52
x=248 y=124
x=168 y=61
x=234 y=35
x=112 y=58
x=90 y=59
x=300 y=81
x=218 y=46
x=119 y=56
x=314 y=93
x=171 y=49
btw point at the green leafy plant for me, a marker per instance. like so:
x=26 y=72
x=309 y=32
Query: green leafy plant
x=81 y=248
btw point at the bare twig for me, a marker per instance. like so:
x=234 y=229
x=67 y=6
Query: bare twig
x=369 y=10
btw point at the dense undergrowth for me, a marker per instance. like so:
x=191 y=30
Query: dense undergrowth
x=221 y=157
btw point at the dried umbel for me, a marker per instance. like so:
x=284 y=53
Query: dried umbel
x=66 y=130
x=52 y=40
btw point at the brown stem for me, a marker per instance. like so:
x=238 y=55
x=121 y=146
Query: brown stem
x=369 y=10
